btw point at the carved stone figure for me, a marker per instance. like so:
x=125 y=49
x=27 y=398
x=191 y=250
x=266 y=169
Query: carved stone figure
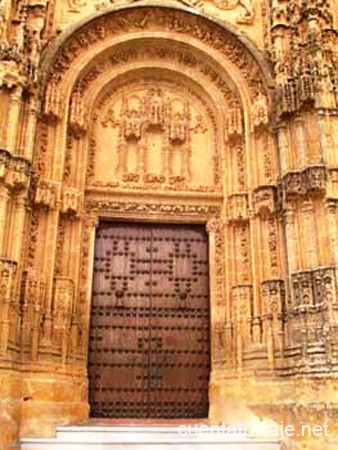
x=232 y=4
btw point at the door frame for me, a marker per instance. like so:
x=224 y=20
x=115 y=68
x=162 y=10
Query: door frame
x=208 y=214
x=180 y=229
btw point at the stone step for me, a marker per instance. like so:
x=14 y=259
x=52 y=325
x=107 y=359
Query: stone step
x=144 y=437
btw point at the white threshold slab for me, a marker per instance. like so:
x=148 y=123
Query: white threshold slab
x=143 y=437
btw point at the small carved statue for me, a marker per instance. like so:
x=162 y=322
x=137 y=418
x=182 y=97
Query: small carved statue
x=155 y=115
x=133 y=126
x=232 y=4
x=178 y=129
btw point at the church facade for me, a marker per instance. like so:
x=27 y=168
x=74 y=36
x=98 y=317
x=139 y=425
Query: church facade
x=168 y=213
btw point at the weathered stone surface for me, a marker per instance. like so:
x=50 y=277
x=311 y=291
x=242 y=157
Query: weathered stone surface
x=168 y=112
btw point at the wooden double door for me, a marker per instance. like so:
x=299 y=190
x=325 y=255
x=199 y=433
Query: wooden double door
x=149 y=350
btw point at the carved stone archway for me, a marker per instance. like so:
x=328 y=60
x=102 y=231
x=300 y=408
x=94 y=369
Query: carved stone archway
x=211 y=89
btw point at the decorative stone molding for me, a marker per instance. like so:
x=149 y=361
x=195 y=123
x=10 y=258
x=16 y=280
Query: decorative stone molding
x=47 y=194
x=5 y=158
x=237 y=208
x=20 y=173
x=316 y=179
x=273 y=295
x=181 y=22
x=293 y=184
x=52 y=107
x=182 y=57
x=8 y=270
x=333 y=183
x=260 y=115
x=311 y=181
x=264 y=199
x=64 y=291
x=33 y=293
x=214 y=225
x=302 y=78
x=244 y=16
x=14 y=171
x=10 y=74
x=113 y=206
x=168 y=119
x=71 y=200
x=77 y=115
x=242 y=247
x=235 y=126
x=242 y=301
x=314 y=289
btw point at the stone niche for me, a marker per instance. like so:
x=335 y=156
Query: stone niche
x=153 y=132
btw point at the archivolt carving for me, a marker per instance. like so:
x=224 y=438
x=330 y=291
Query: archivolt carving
x=161 y=51
x=179 y=22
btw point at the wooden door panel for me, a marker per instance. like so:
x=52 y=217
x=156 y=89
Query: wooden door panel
x=179 y=361
x=120 y=317
x=149 y=345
